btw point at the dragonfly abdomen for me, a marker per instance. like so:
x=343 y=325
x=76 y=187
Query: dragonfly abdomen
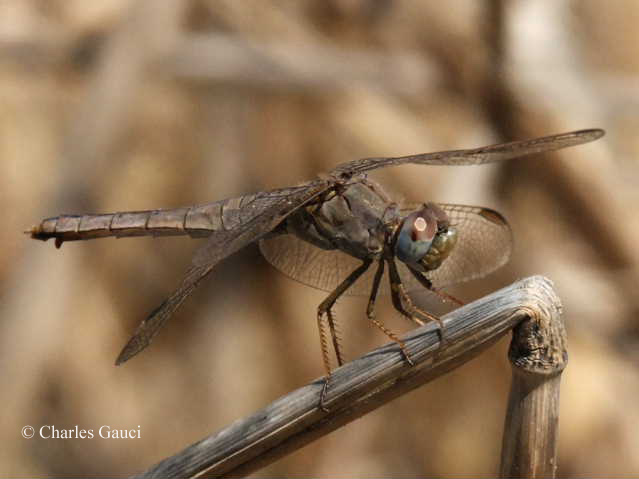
x=195 y=221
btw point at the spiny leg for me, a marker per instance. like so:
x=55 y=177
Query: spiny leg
x=332 y=325
x=324 y=310
x=401 y=296
x=376 y=280
x=325 y=354
x=426 y=283
x=370 y=312
x=397 y=290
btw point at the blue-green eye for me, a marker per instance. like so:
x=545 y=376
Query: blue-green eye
x=415 y=237
x=440 y=249
x=425 y=238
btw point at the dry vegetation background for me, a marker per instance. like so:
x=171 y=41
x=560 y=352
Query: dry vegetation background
x=122 y=104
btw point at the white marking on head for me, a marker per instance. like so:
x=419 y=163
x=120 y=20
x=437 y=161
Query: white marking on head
x=420 y=224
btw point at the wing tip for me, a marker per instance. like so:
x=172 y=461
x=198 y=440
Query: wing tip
x=590 y=134
x=493 y=216
x=131 y=348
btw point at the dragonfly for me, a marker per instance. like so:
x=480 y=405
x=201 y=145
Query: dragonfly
x=328 y=233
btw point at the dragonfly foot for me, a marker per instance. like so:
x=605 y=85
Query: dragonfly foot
x=441 y=332
x=407 y=357
x=416 y=320
x=321 y=405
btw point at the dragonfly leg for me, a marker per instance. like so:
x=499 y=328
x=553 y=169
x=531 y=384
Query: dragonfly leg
x=332 y=326
x=447 y=297
x=426 y=283
x=370 y=313
x=396 y=294
x=324 y=313
x=401 y=297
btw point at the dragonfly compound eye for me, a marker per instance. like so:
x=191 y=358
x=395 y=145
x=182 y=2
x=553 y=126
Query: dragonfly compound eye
x=440 y=248
x=415 y=237
x=425 y=238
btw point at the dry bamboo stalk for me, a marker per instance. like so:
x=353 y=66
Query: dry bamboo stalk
x=538 y=356
x=360 y=386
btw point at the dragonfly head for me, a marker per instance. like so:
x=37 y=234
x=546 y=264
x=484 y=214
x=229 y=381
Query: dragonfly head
x=425 y=238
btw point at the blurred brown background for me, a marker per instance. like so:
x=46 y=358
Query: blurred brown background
x=129 y=105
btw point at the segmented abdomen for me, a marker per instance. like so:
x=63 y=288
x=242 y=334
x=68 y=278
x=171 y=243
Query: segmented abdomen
x=195 y=221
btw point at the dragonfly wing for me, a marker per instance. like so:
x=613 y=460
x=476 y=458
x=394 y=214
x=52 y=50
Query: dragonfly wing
x=246 y=220
x=484 y=244
x=151 y=325
x=255 y=216
x=475 y=156
x=325 y=269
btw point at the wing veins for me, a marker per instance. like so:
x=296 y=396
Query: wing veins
x=220 y=245
x=475 y=156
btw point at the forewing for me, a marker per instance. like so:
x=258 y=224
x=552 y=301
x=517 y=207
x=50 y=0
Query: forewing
x=484 y=244
x=475 y=156
x=251 y=217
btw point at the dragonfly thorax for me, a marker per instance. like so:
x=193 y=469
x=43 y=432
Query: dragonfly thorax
x=352 y=218
x=425 y=238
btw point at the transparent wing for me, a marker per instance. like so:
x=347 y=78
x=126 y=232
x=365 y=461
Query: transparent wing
x=475 y=156
x=247 y=219
x=484 y=244
x=315 y=267
x=148 y=328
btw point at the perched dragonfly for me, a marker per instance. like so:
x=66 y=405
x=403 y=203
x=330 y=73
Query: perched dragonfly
x=328 y=232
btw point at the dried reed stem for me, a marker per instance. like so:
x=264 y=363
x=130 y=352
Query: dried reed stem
x=360 y=386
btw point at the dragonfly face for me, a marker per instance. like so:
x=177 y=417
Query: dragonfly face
x=425 y=238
